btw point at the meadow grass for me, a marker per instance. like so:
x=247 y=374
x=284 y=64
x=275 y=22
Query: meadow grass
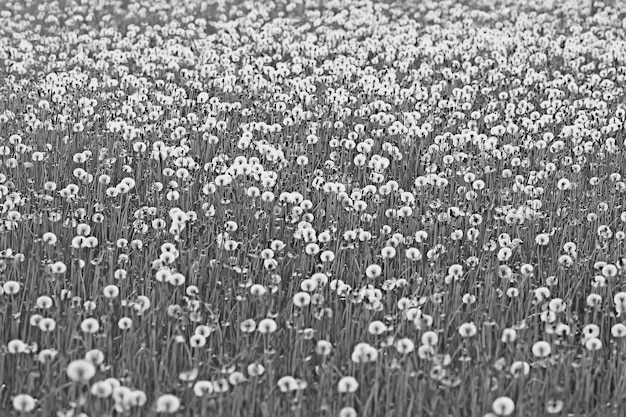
x=305 y=208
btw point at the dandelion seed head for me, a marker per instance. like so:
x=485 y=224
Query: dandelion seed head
x=24 y=403
x=90 y=325
x=167 y=403
x=347 y=384
x=348 y=412
x=503 y=406
x=541 y=349
x=467 y=329
x=81 y=370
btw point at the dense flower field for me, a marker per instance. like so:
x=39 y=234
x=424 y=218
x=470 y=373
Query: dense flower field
x=312 y=208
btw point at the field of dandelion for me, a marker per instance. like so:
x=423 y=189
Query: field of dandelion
x=312 y=208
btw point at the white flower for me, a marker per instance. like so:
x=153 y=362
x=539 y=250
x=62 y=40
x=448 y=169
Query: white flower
x=81 y=370
x=347 y=384
x=503 y=406
x=167 y=404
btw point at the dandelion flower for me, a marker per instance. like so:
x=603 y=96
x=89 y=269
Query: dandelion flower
x=562 y=329
x=23 y=403
x=377 y=328
x=47 y=324
x=388 y=252
x=101 y=389
x=236 y=378
x=34 y=319
x=256 y=369
x=373 y=271
x=526 y=270
x=512 y=292
x=125 y=323
x=44 y=302
x=312 y=249
x=618 y=330
x=468 y=298
x=11 y=287
x=247 y=326
x=541 y=349
x=467 y=329
x=405 y=346
x=455 y=270
x=508 y=335
x=347 y=412
x=327 y=256
x=267 y=326
x=323 y=347
x=77 y=242
x=192 y=290
x=167 y=404
x=49 y=238
x=90 y=325
x=413 y=254
x=17 y=346
x=142 y=304
x=591 y=330
x=270 y=264
x=287 y=383
x=46 y=355
x=309 y=284
x=202 y=388
x=363 y=352
x=81 y=370
x=437 y=372
x=541 y=294
x=594 y=300
x=542 y=239
x=557 y=305
x=188 y=376
x=504 y=254
x=301 y=299
x=137 y=398
x=554 y=406
x=503 y=406
x=430 y=338
x=111 y=291
x=593 y=344
x=347 y=384
x=320 y=279
x=203 y=330
x=425 y=352
x=163 y=275
x=609 y=271
x=258 y=290
x=519 y=368
x=176 y=279
x=197 y=341
x=95 y=356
